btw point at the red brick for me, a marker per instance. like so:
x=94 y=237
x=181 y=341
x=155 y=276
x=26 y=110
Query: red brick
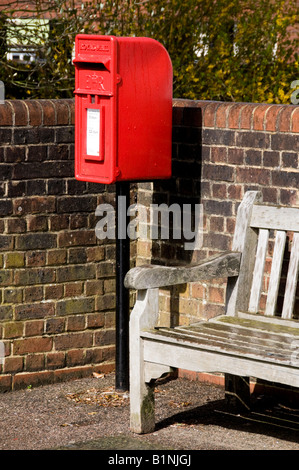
x=210 y=115
x=94 y=287
x=35 y=112
x=95 y=355
x=104 y=338
x=235 y=156
x=54 y=326
x=216 y=295
x=198 y=291
x=76 y=323
x=95 y=320
x=72 y=111
x=34 y=311
x=62 y=112
x=5 y=383
x=6 y=114
x=222 y=115
x=234 y=191
x=234 y=115
x=253 y=175
x=13 y=330
x=34 y=328
x=218 y=154
x=73 y=289
x=76 y=238
x=41 y=204
x=48 y=110
x=230 y=224
x=55 y=360
x=56 y=257
x=272 y=117
x=72 y=373
x=73 y=340
x=75 y=357
x=295 y=120
x=246 y=116
x=105 y=368
x=32 y=345
x=284 y=121
x=270 y=195
x=13 y=364
x=20 y=112
x=217 y=224
x=36 y=258
x=259 y=117
x=34 y=362
x=54 y=291
x=34 y=379
x=33 y=293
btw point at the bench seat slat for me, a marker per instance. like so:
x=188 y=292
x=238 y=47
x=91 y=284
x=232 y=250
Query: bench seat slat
x=225 y=347
x=282 y=328
x=241 y=334
x=265 y=345
x=266 y=348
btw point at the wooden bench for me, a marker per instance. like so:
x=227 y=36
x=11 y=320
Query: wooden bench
x=242 y=343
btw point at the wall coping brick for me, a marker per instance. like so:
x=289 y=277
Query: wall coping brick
x=247 y=116
x=37 y=112
x=214 y=114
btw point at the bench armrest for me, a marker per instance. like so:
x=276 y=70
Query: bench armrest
x=151 y=276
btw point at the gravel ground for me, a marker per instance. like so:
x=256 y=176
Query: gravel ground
x=88 y=414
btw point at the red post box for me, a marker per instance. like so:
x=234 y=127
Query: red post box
x=123 y=109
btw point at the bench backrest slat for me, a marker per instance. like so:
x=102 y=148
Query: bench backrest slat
x=279 y=223
x=292 y=278
x=275 y=217
x=258 y=272
x=275 y=272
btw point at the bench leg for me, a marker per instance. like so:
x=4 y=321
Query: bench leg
x=142 y=403
x=142 y=417
x=237 y=392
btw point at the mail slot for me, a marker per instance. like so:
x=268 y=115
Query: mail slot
x=123 y=109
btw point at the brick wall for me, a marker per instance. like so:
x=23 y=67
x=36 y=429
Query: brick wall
x=57 y=280
x=57 y=288
x=220 y=150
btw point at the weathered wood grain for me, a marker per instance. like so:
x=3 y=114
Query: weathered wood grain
x=292 y=279
x=244 y=241
x=275 y=272
x=258 y=273
x=144 y=316
x=147 y=277
x=275 y=218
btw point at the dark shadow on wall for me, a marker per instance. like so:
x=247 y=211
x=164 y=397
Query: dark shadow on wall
x=181 y=193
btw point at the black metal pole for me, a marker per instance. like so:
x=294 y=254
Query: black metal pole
x=122 y=294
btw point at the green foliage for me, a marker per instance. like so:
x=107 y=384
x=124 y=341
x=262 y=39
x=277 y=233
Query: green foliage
x=227 y=50
x=51 y=75
x=237 y=50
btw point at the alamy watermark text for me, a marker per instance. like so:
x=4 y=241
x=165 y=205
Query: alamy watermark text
x=159 y=221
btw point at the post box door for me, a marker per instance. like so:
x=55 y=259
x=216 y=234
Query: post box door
x=95 y=95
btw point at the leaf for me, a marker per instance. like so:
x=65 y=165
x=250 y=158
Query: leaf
x=98 y=376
